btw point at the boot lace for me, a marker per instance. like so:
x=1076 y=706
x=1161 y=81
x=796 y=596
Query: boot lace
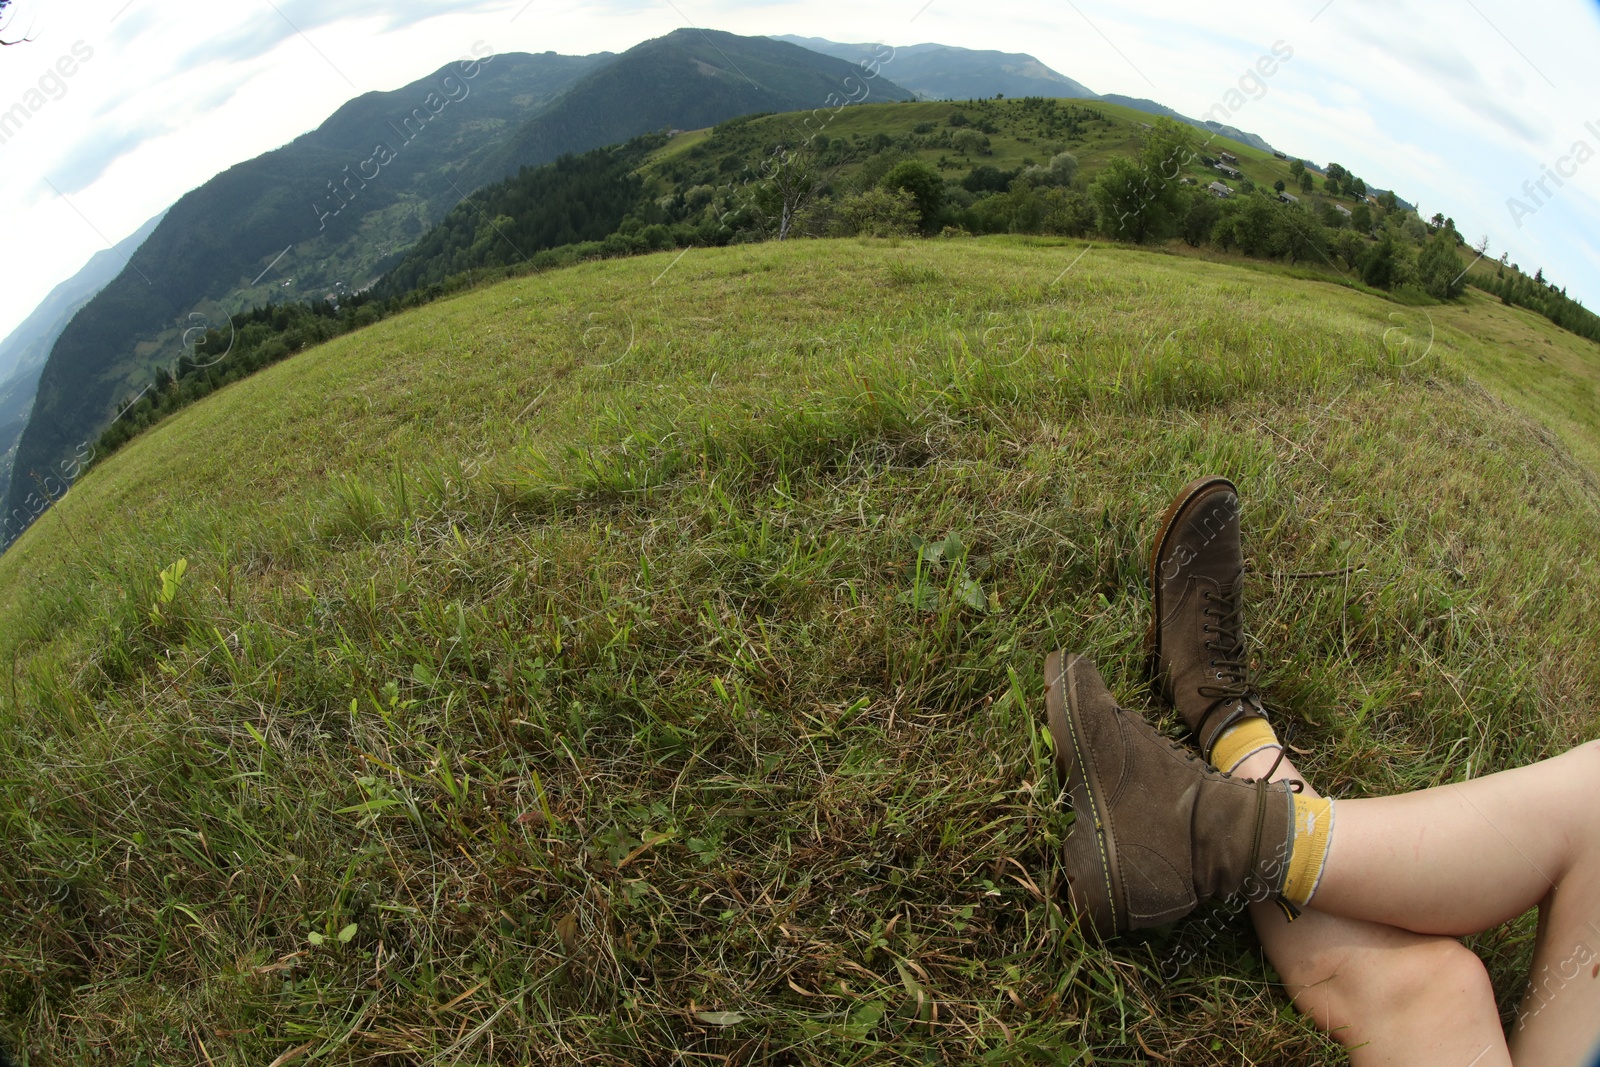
x=1230 y=669
x=1227 y=661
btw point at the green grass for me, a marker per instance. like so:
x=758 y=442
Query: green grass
x=1022 y=137
x=565 y=671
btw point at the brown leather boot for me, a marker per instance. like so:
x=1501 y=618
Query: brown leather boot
x=1196 y=638
x=1156 y=830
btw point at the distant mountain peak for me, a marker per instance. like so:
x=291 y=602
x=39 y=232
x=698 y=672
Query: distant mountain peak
x=948 y=72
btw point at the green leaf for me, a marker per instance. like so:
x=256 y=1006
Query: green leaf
x=921 y=597
x=347 y=933
x=972 y=595
x=720 y=1018
x=863 y=1019
x=315 y=938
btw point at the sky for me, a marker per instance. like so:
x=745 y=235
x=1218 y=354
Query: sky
x=1487 y=111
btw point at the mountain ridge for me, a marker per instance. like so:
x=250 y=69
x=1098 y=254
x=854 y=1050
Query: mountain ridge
x=326 y=214
x=926 y=70
x=938 y=71
x=757 y=81
x=25 y=350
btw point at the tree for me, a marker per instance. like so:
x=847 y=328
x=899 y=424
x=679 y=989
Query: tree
x=876 y=213
x=923 y=183
x=1351 y=247
x=1144 y=200
x=1255 y=227
x=1439 y=267
x=1379 y=268
x=1306 y=182
x=969 y=142
x=789 y=180
x=1122 y=201
x=1168 y=148
x=1061 y=169
x=1201 y=218
x=1297 y=235
x=986 y=179
x=1361 y=218
x=1067 y=214
x=1297 y=168
x=1279 y=185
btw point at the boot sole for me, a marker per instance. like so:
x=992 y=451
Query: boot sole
x=1092 y=872
x=1180 y=504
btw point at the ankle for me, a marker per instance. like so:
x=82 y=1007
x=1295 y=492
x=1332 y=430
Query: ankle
x=1259 y=764
x=1243 y=742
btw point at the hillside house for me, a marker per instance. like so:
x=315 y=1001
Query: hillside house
x=1341 y=209
x=1232 y=172
x=1279 y=155
x=1288 y=198
x=1230 y=158
x=1220 y=190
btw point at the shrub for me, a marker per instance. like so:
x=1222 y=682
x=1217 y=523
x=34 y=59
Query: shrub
x=924 y=185
x=876 y=213
x=1439 y=267
x=1379 y=268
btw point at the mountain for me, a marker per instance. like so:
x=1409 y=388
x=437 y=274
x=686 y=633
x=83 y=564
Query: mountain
x=23 y=353
x=30 y=342
x=689 y=79
x=327 y=213
x=1141 y=104
x=944 y=72
x=315 y=216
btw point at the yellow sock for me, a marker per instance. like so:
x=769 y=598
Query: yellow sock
x=1241 y=741
x=1308 y=850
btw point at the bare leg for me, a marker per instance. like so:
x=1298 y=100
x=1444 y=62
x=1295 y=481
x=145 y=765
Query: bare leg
x=1461 y=858
x=1390 y=996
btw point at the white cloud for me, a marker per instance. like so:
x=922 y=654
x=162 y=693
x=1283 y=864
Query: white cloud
x=1452 y=109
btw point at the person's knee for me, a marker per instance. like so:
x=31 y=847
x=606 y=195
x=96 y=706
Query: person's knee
x=1350 y=993
x=1434 y=971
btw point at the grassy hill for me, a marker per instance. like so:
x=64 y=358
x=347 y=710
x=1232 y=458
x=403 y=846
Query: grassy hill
x=273 y=228
x=645 y=657
x=323 y=215
x=699 y=188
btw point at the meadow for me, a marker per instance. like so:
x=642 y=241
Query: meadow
x=641 y=662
